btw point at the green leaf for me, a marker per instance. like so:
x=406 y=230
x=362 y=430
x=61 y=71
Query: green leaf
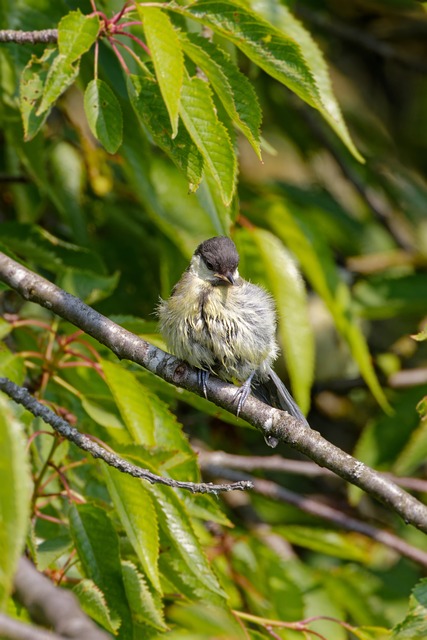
x=185 y=556
x=130 y=397
x=233 y=88
x=319 y=268
x=76 y=34
x=167 y=57
x=279 y=15
x=51 y=550
x=146 y=99
x=414 y=626
x=97 y=546
x=5 y=328
x=31 y=87
x=210 y=198
x=11 y=365
x=333 y=543
x=87 y=285
x=209 y=134
x=290 y=295
x=279 y=54
x=93 y=603
x=15 y=493
x=146 y=608
x=104 y=115
x=128 y=495
x=61 y=76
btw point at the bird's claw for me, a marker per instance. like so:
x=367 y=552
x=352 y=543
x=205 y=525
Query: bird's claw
x=202 y=379
x=242 y=393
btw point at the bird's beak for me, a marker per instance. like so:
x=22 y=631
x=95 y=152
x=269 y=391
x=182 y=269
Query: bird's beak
x=227 y=277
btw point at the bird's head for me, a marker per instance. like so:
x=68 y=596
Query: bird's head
x=216 y=260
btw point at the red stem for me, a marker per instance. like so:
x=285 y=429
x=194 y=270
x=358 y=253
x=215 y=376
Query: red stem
x=142 y=44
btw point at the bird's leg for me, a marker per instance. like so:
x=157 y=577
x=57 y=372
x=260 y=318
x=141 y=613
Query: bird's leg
x=242 y=393
x=202 y=379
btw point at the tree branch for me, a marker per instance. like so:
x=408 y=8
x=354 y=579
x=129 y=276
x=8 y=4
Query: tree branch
x=272 y=490
x=61 y=426
x=53 y=607
x=276 y=426
x=29 y=37
x=12 y=629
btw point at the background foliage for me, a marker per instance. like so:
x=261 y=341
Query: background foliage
x=107 y=188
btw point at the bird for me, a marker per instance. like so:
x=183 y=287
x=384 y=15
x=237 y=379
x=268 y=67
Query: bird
x=224 y=325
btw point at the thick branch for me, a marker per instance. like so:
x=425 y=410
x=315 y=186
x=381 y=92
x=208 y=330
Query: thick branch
x=275 y=425
x=274 y=491
x=53 y=607
x=61 y=426
x=29 y=37
x=12 y=629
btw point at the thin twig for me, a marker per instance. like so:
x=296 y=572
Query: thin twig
x=274 y=491
x=61 y=426
x=276 y=426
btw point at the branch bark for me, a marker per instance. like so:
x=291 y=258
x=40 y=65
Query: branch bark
x=43 y=36
x=53 y=607
x=276 y=426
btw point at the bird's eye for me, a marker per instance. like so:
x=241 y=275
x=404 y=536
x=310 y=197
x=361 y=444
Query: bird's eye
x=209 y=265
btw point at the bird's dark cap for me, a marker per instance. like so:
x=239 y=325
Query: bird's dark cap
x=219 y=254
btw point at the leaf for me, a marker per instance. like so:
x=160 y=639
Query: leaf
x=352 y=547
x=128 y=495
x=281 y=17
x=233 y=88
x=146 y=608
x=15 y=493
x=167 y=57
x=51 y=550
x=277 y=53
x=320 y=270
x=147 y=102
x=31 y=86
x=414 y=626
x=97 y=546
x=209 y=134
x=185 y=554
x=76 y=34
x=130 y=397
x=104 y=115
x=61 y=76
x=5 y=328
x=93 y=603
x=11 y=365
x=289 y=292
x=87 y=285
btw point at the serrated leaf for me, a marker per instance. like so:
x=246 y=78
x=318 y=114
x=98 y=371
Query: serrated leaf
x=167 y=57
x=210 y=198
x=209 y=134
x=290 y=295
x=277 y=53
x=146 y=99
x=104 y=115
x=31 y=87
x=15 y=493
x=233 y=88
x=76 y=34
x=61 y=76
x=93 y=603
x=186 y=550
x=146 y=608
x=93 y=535
x=279 y=15
x=319 y=268
x=135 y=509
x=130 y=398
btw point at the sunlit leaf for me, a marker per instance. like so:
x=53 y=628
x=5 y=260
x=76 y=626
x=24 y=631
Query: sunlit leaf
x=167 y=57
x=76 y=34
x=61 y=75
x=93 y=603
x=31 y=87
x=146 y=608
x=15 y=492
x=209 y=134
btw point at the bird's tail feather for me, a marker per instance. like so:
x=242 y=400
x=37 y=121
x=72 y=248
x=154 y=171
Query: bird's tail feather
x=274 y=393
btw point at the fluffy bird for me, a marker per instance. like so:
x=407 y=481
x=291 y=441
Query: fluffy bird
x=222 y=324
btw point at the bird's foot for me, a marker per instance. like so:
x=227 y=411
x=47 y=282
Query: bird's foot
x=242 y=393
x=202 y=379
